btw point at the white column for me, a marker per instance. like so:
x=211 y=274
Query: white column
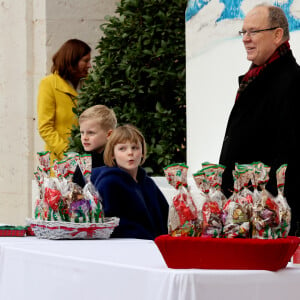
x=31 y=31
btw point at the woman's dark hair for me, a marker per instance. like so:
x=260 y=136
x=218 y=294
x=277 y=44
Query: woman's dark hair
x=65 y=60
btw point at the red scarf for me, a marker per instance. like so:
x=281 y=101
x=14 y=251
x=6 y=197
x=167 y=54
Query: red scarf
x=255 y=70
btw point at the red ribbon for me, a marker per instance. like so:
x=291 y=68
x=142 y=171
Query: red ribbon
x=89 y=231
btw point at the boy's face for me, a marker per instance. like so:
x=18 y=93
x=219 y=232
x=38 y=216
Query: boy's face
x=93 y=137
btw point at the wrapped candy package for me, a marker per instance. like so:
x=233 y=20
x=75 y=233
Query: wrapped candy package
x=284 y=208
x=183 y=219
x=207 y=181
x=237 y=211
x=266 y=218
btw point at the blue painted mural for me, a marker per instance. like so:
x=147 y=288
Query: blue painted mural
x=294 y=24
x=232 y=10
x=193 y=7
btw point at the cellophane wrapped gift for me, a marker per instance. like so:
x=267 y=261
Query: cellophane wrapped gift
x=213 y=173
x=284 y=209
x=237 y=212
x=60 y=198
x=266 y=216
x=183 y=220
x=38 y=206
x=208 y=182
x=89 y=191
x=42 y=175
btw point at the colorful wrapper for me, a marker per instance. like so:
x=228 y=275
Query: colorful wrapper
x=44 y=161
x=209 y=180
x=284 y=209
x=61 y=199
x=266 y=217
x=237 y=212
x=183 y=219
x=85 y=165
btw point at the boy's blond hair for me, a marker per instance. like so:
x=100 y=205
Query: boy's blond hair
x=104 y=115
x=123 y=134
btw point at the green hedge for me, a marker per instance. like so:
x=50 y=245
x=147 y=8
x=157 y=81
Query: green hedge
x=140 y=73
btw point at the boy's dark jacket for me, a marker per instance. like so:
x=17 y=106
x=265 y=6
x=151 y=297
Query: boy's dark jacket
x=97 y=161
x=141 y=206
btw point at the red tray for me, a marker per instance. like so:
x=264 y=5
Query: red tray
x=222 y=253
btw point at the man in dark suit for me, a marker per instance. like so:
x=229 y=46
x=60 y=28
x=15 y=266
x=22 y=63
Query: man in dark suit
x=264 y=122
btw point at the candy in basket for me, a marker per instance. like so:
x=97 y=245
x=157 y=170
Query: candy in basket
x=61 y=200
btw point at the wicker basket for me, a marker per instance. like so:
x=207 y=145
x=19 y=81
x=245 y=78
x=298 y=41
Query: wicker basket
x=56 y=230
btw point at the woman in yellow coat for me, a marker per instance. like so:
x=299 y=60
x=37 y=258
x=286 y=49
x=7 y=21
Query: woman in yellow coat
x=57 y=95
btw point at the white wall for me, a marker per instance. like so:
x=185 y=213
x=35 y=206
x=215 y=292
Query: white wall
x=31 y=32
x=16 y=107
x=215 y=59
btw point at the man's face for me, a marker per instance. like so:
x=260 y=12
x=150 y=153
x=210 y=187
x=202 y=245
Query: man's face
x=261 y=45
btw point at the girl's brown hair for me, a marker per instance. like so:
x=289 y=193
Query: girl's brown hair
x=123 y=134
x=66 y=59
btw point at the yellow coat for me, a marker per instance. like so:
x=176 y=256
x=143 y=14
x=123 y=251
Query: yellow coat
x=56 y=99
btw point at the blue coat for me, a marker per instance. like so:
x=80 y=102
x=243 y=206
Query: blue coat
x=141 y=206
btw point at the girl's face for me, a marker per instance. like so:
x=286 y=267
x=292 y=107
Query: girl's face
x=93 y=137
x=83 y=65
x=128 y=156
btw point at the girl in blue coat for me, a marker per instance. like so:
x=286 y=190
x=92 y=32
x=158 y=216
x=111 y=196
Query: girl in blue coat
x=126 y=190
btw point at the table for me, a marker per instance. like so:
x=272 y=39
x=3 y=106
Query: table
x=115 y=269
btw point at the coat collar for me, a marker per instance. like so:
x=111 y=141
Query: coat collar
x=62 y=85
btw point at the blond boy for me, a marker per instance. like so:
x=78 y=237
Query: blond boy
x=96 y=124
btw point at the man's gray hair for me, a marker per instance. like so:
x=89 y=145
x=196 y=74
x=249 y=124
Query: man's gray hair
x=277 y=18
